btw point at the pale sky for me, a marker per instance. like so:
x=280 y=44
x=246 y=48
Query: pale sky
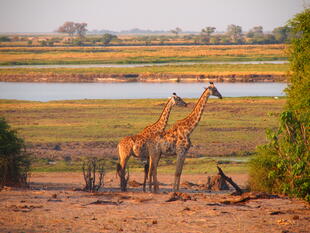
x=116 y=15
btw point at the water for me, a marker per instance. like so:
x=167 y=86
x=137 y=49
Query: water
x=138 y=65
x=136 y=90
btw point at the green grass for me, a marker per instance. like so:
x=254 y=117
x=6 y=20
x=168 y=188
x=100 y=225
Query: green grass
x=139 y=54
x=229 y=126
x=175 y=69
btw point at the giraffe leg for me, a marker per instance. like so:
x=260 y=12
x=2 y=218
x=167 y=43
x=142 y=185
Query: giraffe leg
x=146 y=172
x=150 y=173
x=124 y=156
x=156 y=185
x=178 y=171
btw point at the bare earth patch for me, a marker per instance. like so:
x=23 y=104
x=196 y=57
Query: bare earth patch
x=54 y=204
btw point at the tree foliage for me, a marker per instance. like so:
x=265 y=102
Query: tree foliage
x=71 y=28
x=283 y=165
x=67 y=27
x=176 y=31
x=81 y=29
x=282 y=34
x=107 y=38
x=14 y=161
x=206 y=34
x=235 y=33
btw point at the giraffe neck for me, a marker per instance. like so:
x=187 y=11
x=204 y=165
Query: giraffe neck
x=161 y=123
x=192 y=120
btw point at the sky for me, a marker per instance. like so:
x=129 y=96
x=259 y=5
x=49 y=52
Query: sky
x=117 y=15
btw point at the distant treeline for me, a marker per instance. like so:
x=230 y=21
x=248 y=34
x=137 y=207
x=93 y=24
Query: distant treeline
x=76 y=34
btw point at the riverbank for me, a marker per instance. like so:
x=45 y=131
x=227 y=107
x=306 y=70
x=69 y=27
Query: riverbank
x=90 y=78
x=202 y=72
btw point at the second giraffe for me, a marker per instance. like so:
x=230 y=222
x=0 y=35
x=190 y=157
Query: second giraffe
x=174 y=141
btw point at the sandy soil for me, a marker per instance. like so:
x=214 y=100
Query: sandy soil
x=54 y=204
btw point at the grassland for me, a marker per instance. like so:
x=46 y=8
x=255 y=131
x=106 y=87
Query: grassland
x=210 y=69
x=139 y=54
x=229 y=127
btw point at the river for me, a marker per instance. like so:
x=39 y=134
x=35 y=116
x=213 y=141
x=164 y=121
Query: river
x=135 y=90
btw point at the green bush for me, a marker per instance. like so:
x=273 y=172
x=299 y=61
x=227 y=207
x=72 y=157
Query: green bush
x=283 y=164
x=4 y=39
x=14 y=160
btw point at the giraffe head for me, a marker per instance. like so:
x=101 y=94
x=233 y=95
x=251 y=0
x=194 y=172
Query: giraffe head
x=178 y=101
x=214 y=91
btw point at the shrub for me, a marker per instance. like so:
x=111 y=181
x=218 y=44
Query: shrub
x=283 y=164
x=4 y=39
x=93 y=170
x=14 y=160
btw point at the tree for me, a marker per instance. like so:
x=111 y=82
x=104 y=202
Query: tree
x=4 y=39
x=256 y=32
x=107 y=38
x=71 y=28
x=283 y=164
x=81 y=29
x=208 y=31
x=206 y=34
x=67 y=27
x=235 y=33
x=282 y=34
x=14 y=160
x=176 y=31
x=257 y=36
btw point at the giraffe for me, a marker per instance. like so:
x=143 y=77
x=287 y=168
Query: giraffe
x=126 y=144
x=174 y=141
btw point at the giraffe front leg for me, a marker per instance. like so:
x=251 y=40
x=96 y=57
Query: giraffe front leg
x=178 y=171
x=181 y=152
x=154 y=171
x=121 y=169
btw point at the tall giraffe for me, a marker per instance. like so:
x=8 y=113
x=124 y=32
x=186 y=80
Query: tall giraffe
x=174 y=141
x=126 y=144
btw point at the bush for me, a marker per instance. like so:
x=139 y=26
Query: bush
x=283 y=165
x=14 y=160
x=93 y=170
x=4 y=39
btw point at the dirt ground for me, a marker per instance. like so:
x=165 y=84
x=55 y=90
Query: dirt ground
x=55 y=203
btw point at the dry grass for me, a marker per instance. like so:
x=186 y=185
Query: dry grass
x=138 y=54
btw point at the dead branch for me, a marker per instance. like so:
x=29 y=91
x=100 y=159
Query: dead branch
x=92 y=168
x=229 y=180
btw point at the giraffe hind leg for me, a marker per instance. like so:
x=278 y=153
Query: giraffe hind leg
x=146 y=172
